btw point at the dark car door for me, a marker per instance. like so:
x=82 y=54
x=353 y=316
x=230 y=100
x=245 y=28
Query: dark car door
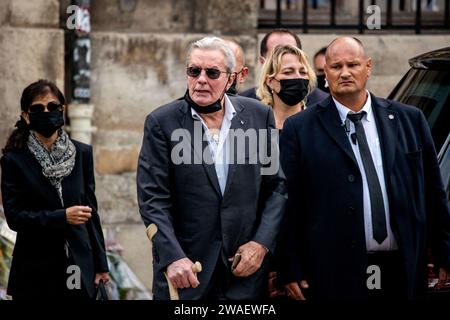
x=427 y=86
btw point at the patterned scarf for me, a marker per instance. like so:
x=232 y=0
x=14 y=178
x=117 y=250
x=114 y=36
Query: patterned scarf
x=58 y=162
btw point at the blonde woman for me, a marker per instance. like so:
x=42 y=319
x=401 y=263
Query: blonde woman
x=285 y=81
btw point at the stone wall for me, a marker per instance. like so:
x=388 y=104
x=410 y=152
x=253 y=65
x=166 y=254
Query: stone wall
x=31 y=47
x=176 y=16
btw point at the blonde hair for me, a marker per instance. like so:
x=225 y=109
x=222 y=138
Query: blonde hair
x=272 y=66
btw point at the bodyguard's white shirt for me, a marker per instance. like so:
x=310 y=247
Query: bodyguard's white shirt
x=219 y=151
x=370 y=129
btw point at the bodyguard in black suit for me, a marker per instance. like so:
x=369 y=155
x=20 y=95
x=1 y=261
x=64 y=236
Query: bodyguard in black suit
x=207 y=207
x=366 y=198
x=48 y=197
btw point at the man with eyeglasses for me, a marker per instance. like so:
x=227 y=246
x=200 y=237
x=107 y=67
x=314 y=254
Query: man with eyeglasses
x=206 y=204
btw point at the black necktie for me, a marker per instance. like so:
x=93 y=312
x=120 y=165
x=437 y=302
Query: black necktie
x=376 y=197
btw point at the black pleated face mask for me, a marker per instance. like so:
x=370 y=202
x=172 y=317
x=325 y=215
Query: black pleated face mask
x=233 y=89
x=293 y=91
x=46 y=123
x=213 y=107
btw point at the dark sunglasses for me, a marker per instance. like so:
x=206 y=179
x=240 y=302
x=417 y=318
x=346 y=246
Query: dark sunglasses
x=211 y=73
x=51 y=107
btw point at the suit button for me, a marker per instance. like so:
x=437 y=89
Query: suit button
x=351 y=178
x=351 y=211
x=353 y=245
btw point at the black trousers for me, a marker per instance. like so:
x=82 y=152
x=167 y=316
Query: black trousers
x=219 y=282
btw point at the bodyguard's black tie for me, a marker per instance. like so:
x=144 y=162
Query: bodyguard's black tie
x=376 y=197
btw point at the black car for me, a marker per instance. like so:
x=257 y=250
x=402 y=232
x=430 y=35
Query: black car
x=427 y=86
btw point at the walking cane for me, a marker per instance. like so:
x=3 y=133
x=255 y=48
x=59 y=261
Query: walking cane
x=152 y=229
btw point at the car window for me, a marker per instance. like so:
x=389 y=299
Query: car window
x=428 y=90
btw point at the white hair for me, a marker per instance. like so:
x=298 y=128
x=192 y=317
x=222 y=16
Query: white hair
x=214 y=43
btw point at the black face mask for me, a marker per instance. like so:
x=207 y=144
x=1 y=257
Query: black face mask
x=213 y=107
x=233 y=90
x=321 y=82
x=293 y=90
x=46 y=123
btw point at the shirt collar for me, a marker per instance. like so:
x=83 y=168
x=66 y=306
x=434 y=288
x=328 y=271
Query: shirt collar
x=230 y=111
x=343 y=110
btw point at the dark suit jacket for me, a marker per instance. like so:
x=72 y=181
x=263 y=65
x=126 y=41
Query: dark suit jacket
x=194 y=220
x=33 y=209
x=314 y=97
x=324 y=240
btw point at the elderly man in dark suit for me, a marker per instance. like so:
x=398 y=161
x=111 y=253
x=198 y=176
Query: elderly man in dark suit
x=207 y=197
x=366 y=200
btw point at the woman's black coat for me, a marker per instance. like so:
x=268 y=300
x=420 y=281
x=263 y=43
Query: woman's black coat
x=33 y=209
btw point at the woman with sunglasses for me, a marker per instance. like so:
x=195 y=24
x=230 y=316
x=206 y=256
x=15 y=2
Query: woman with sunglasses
x=286 y=79
x=48 y=197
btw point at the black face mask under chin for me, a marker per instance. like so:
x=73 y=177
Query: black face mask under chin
x=213 y=107
x=293 y=91
x=233 y=89
x=46 y=123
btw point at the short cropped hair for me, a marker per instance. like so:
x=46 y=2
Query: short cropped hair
x=263 y=47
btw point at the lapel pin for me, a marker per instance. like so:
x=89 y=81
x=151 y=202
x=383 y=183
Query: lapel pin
x=242 y=122
x=391 y=116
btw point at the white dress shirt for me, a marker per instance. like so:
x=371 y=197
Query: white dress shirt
x=370 y=129
x=218 y=144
